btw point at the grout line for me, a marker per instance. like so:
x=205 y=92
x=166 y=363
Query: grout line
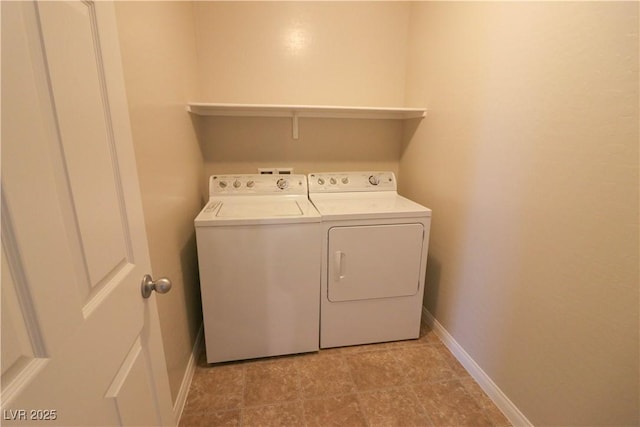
x=299 y=386
x=242 y=401
x=424 y=410
x=356 y=391
x=343 y=357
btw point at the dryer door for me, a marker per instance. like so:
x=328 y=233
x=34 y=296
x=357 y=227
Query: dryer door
x=376 y=261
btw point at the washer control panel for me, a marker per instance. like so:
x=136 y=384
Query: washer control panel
x=338 y=182
x=252 y=184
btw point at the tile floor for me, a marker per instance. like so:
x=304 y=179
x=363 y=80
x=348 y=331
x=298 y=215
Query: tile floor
x=405 y=383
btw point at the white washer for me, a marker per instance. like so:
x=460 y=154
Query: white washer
x=258 y=242
x=374 y=256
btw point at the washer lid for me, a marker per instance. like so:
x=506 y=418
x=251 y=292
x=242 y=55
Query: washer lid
x=248 y=209
x=257 y=210
x=366 y=206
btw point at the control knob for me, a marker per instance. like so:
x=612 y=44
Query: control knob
x=345 y=180
x=333 y=181
x=237 y=184
x=250 y=184
x=374 y=180
x=223 y=184
x=321 y=181
x=282 y=183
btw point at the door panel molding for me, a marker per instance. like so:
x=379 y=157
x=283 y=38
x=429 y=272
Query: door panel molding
x=100 y=293
x=99 y=258
x=82 y=112
x=23 y=352
x=132 y=380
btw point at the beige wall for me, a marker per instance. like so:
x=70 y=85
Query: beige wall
x=529 y=160
x=241 y=145
x=337 y=53
x=159 y=61
x=332 y=53
x=528 y=157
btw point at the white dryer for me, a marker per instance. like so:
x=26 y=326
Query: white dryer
x=374 y=255
x=258 y=242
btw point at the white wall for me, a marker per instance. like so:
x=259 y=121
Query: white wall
x=529 y=160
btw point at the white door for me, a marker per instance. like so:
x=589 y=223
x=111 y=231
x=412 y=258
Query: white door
x=80 y=346
x=374 y=261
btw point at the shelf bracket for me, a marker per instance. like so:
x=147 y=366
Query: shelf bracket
x=294 y=125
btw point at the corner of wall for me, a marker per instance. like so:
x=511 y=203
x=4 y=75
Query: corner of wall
x=508 y=408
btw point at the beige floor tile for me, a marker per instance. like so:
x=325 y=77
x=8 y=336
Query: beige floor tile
x=394 y=345
x=375 y=369
x=428 y=335
x=350 y=349
x=449 y=404
x=202 y=360
x=270 y=382
x=453 y=363
x=349 y=386
x=423 y=363
x=211 y=419
x=490 y=409
x=338 y=411
x=284 y=414
x=216 y=388
x=324 y=376
x=393 y=407
x=390 y=345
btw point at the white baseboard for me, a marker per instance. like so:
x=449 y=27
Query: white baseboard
x=501 y=400
x=181 y=400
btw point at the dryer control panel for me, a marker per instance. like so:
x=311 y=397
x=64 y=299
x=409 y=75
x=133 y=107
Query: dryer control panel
x=257 y=184
x=343 y=182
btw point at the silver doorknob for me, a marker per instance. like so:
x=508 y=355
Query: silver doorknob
x=161 y=286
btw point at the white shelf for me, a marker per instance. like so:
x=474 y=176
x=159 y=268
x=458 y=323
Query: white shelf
x=324 y=111
x=297 y=111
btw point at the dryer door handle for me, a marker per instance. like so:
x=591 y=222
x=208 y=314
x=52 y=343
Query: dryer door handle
x=339 y=261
